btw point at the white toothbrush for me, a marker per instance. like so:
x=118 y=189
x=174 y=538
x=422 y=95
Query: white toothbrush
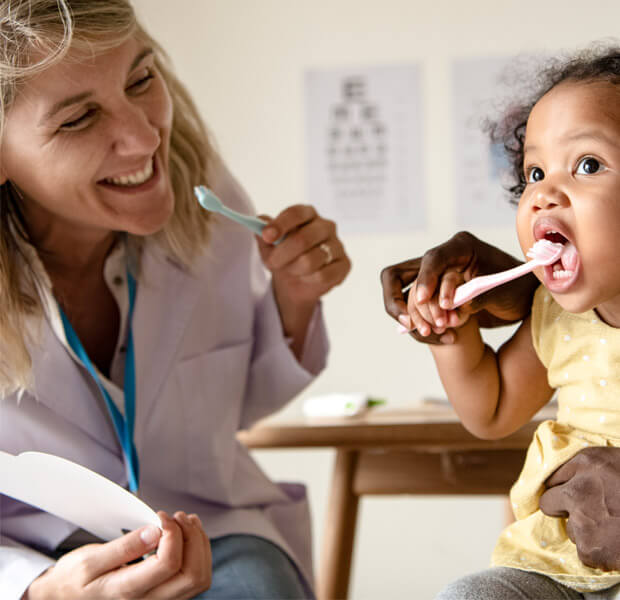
x=543 y=252
x=209 y=201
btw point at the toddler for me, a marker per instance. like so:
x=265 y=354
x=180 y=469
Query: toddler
x=564 y=146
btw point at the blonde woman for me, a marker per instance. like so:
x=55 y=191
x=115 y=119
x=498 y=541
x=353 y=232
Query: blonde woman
x=137 y=333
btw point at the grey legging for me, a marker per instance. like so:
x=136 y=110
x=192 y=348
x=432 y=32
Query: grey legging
x=503 y=583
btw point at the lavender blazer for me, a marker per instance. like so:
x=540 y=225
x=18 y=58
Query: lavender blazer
x=210 y=359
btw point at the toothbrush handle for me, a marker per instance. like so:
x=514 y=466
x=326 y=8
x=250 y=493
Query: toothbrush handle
x=479 y=285
x=253 y=223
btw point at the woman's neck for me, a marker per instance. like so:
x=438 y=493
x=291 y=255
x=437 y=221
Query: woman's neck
x=75 y=257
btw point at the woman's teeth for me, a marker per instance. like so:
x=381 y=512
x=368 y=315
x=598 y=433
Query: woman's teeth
x=135 y=178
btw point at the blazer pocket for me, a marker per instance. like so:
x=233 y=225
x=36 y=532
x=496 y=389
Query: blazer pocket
x=213 y=389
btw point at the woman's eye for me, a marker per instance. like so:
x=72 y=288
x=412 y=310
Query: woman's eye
x=589 y=166
x=142 y=83
x=80 y=122
x=535 y=174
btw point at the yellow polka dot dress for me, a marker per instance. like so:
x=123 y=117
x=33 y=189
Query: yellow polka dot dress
x=582 y=357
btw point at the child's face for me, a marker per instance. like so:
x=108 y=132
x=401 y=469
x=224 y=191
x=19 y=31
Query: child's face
x=572 y=168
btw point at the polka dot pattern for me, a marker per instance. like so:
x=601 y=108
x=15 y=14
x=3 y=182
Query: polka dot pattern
x=582 y=356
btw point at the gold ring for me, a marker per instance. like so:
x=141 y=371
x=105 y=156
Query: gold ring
x=329 y=257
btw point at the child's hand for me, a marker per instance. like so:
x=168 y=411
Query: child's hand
x=433 y=315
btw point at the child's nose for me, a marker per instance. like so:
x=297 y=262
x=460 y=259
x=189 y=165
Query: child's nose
x=548 y=196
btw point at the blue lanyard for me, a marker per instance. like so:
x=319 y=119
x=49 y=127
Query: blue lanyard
x=124 y=426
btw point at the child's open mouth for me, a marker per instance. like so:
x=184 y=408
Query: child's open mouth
x=561 y=274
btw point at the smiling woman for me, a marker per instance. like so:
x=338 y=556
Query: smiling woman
x=125 y=345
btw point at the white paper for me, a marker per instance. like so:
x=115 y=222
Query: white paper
x=364 y=147
x=73 y=493
x=480 y=169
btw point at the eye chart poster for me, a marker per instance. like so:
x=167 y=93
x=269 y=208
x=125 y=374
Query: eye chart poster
x=363 y=147
x=481 y=168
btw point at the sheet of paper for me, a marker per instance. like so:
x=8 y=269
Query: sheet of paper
x=73 y=493
x=364 y=147
x=480 y=168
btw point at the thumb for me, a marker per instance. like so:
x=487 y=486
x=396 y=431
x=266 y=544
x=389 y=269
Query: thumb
x=553 y=502
x=122 y=550
x=271 y=232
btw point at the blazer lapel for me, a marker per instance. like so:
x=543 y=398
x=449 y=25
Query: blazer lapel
x=166 y=297
x=68 y=389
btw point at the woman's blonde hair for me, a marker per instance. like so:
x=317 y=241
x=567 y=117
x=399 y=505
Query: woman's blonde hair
x=34 y=35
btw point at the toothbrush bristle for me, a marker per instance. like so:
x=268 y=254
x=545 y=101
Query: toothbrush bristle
x=545 y=252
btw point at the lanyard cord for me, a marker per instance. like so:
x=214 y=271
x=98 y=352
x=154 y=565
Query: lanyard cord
x=124 y=426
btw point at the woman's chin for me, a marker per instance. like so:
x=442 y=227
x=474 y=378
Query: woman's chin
x=148 y=224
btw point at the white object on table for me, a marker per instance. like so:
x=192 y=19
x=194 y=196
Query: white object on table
x=339 y=405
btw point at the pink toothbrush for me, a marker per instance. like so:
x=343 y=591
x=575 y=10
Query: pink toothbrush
x=543 y=252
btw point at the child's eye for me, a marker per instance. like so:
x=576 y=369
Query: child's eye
x=80 y=123
x=535 y=174
x=589 y=166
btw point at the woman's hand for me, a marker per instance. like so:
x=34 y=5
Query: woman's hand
x=308 y=262
x=585 y=491
x=430 y=316
x=469 y=256
x=180 y=569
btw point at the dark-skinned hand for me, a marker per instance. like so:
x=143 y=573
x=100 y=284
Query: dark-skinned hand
x=470 y=256
x=586 y=492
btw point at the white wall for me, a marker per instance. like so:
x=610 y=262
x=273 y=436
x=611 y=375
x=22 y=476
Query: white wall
x=244 y=60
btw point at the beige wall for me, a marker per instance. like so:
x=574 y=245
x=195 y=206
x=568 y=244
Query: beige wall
x=244 y=60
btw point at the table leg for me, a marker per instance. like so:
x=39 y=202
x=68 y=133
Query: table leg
x=339 y=534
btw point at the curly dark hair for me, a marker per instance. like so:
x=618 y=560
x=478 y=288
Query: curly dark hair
x=597 y=62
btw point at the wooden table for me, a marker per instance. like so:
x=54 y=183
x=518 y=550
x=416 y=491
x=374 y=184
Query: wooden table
x=423 y=450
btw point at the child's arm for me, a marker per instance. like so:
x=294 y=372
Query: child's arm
x=493 y=393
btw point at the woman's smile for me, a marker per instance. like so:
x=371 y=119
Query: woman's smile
x=87 y=144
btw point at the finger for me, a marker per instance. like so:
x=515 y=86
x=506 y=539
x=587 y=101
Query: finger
x=419 y=323
x=315 y=259
x=195 y=574
x=456 y=318
x=194 y=556
x=288 y=220
x=303 y=240
x=563 y=473
x=327 y=277
x=449 y=337
x=393 y=279
x=449 y=283
x=98 y=559
x=436 y=315
x=555 y=503
x=207 y=544
x=428 y=312
x=455 y=253
x=138 y=579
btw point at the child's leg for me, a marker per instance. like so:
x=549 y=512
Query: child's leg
x=612 y=593
x=507 y=584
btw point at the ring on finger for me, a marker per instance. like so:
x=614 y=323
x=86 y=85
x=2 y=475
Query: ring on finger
x=329 y=256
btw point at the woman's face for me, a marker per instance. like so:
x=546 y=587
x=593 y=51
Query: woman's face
x=86 y=142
